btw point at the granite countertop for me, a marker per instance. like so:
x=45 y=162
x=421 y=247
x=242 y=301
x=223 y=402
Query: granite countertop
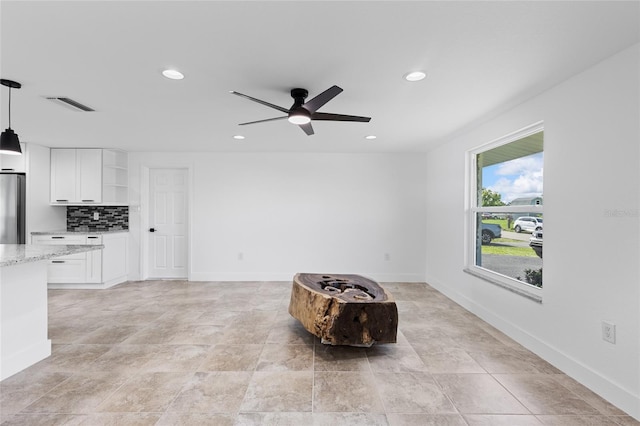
x=14 y=254
x=80 y=231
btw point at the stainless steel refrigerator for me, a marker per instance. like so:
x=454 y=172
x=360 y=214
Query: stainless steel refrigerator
x=12 y=208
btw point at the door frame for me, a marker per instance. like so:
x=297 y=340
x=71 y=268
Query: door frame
x=145 y=187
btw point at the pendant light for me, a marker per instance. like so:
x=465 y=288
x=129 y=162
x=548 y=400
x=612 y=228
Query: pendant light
x=9 y=142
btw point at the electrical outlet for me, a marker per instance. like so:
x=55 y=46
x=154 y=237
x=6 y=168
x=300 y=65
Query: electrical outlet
x=387 y=257
x=240 y=256
x=609 y=332
x=96 y=216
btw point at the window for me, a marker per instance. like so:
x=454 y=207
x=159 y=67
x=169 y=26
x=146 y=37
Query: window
x=505 y=211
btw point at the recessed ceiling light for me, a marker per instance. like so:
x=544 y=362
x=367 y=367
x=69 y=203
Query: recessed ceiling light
x=239 y=137
x=173 y=74
x=415 y=76
x=370 y=137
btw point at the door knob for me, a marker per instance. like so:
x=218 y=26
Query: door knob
x=152 y=229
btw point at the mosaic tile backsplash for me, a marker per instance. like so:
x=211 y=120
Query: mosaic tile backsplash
x=80 y=218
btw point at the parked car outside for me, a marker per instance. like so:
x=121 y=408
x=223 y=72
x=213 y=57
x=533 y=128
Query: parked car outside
x=535 y=242
x=490 y=231
x=527 y=223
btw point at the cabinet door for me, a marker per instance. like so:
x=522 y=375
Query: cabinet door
x=114 y=257
x=89 y=163
x=63 y=175
x=94 y=260
x=63 y=270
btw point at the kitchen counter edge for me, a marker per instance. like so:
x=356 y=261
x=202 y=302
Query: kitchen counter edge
x=15 y=254
x=66 y=232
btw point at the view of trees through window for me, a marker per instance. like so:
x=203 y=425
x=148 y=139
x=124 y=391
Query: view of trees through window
x=509 y=209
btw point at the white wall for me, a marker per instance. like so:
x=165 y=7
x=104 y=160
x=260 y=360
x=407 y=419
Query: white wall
x=40 y=215
x=291 y=213
x=592 y=256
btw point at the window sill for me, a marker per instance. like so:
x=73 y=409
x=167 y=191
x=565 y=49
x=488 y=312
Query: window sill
x=495 y=279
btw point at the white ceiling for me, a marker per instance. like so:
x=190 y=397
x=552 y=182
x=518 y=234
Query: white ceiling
x=480 y=57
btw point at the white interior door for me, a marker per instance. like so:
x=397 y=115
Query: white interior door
x=168 y=217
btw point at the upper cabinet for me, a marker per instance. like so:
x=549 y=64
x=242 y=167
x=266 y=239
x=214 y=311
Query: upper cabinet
x=88 y=176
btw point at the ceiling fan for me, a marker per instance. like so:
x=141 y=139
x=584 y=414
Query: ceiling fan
x=302 y=113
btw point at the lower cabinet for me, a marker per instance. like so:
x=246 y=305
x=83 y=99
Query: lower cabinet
x=93 y=269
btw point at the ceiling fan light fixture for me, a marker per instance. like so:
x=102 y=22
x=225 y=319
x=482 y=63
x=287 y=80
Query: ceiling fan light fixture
x=299 y=117
x=370 y=137
x=415 y=76
x=173 y=74
x=238 y=137
x=9 y=142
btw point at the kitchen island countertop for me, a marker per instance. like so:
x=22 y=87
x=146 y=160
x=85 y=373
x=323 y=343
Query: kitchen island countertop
x=79 y=232
x=14 y=254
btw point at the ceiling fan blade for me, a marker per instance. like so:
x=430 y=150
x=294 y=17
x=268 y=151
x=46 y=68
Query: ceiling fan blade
x=338 y=117
x=262 y=121
x=279 y=108
x=307 y=128
x=314 y=104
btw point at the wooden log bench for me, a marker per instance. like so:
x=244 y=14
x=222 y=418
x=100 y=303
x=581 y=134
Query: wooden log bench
x=344 y=309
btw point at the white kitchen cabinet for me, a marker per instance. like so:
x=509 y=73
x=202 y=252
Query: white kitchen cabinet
x=97 y=269
x=76 y=176
x=65 y=269
x=89 y=176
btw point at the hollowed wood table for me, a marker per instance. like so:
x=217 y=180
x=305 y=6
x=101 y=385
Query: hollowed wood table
x=344 y=309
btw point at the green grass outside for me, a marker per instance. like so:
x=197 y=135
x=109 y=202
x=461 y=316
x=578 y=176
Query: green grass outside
x=501 y=222
x=509 y=251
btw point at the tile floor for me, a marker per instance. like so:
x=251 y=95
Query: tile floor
x=178 y=353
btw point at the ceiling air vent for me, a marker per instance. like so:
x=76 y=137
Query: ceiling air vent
x=70 y=103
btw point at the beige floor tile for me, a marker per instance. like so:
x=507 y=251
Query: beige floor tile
x=280 y=419
x=231 y=358
x=594 y=400
x=73 y=358
x=395 y=358
x=121 y=419
x=175 y=358
x=196 y=419
x=340 y=358
x=276 y=357
x=452 y=361
x=217 y=392
x=81 y=393
x=412 y=393
x=279 y=391
x=350 y=419
x=146 y=392
x=290 y=332
x=44 y=420
x=415 y=419
x=109 y=334
x=479 y=393
x=550 y=420
x=501 y=420
x=350 y=391
x=542 y=394
x=123 y=358
x=148 y=350
x=20 y=390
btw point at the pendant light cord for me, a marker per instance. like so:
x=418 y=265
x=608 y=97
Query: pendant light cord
x=9 y=106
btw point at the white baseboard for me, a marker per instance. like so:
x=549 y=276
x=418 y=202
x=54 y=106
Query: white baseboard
x=86 y=286
x=288 y=276
x=582 y=373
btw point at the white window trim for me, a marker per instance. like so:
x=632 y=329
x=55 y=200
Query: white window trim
x=471 y=209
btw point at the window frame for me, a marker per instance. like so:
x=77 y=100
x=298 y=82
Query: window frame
x=472 y=209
